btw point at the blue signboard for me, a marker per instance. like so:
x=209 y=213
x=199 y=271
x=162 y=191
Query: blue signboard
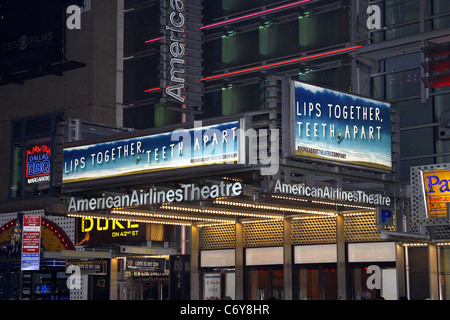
x=341 y=127
x=205 y=145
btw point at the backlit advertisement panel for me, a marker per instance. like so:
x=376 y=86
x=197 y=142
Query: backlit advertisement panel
x=341 y=127
x=203 y=145
x=31 y=242
x=436 y=192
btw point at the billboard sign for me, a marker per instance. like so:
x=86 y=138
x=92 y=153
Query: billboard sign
x=341 y=127
x=204 y=145
x=31 y=33
x=31 y=242
x=436 y=192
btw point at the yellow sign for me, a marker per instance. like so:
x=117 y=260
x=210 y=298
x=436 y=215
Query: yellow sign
x=436 y=184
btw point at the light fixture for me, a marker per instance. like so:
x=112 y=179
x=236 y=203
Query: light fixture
x=167 y=216
x=255 y=14
x=273 y=208
x=280 y=63
x=154 y=40
x=223 y=212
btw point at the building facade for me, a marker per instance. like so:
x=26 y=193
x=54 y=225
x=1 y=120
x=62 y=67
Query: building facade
x=251 y=149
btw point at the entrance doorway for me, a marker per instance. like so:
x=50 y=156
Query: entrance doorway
x=317 y=282
x=265 y=283
x=155 y=290
x=362 y=275
x=148 y=289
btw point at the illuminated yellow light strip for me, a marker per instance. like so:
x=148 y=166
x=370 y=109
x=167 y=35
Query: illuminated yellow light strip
x=266 y=207
x=317 y=216
x=342 y=204
x=201 y=225
x=72 y=215
x=359 y=213
x=233 y=179
x=144 y=256
x=232 y=213
x=165 y=216
x=288 y=198
x=418 y=244
x=421 y=244
x=260 y=221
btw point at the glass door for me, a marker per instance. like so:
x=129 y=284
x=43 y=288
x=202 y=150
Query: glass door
x=362 y=275
x=265 y=283
x=155 y=290
x=317 y=283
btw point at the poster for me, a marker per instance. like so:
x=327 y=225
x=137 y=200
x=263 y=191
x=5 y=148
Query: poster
x=211 y=285
x=31 y=242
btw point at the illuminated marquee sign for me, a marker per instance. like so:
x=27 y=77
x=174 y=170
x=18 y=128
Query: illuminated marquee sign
x=180 y=149
x=38 y=163
x=90 y=231
x=331 y=193
x=436 y=192
x=145 y=264
x=340 y=127
x=187 y=192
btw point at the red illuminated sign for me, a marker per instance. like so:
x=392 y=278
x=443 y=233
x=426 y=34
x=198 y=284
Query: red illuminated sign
x=38 y=163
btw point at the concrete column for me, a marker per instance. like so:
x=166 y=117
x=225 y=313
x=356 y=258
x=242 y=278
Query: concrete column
x=113 y=284
x=433 y=271
x=401 y=271
x=287 y=263
x=195 y=254
x=341 y=258
x=239 y=262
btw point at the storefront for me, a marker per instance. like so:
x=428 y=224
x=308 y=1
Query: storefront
x=45 y=278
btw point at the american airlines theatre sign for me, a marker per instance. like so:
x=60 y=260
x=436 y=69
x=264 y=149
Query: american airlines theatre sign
x=331 y=193
x=187 y=192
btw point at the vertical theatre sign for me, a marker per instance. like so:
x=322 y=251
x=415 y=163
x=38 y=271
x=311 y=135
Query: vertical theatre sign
x=181 y=51
x=31 y=242
x=175 y=33
x=340 y=127
x=436 y=192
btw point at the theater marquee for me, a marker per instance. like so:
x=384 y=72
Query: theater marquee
x=340 y=127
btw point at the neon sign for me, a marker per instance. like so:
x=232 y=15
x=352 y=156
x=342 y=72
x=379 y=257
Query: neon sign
x=38 y=163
